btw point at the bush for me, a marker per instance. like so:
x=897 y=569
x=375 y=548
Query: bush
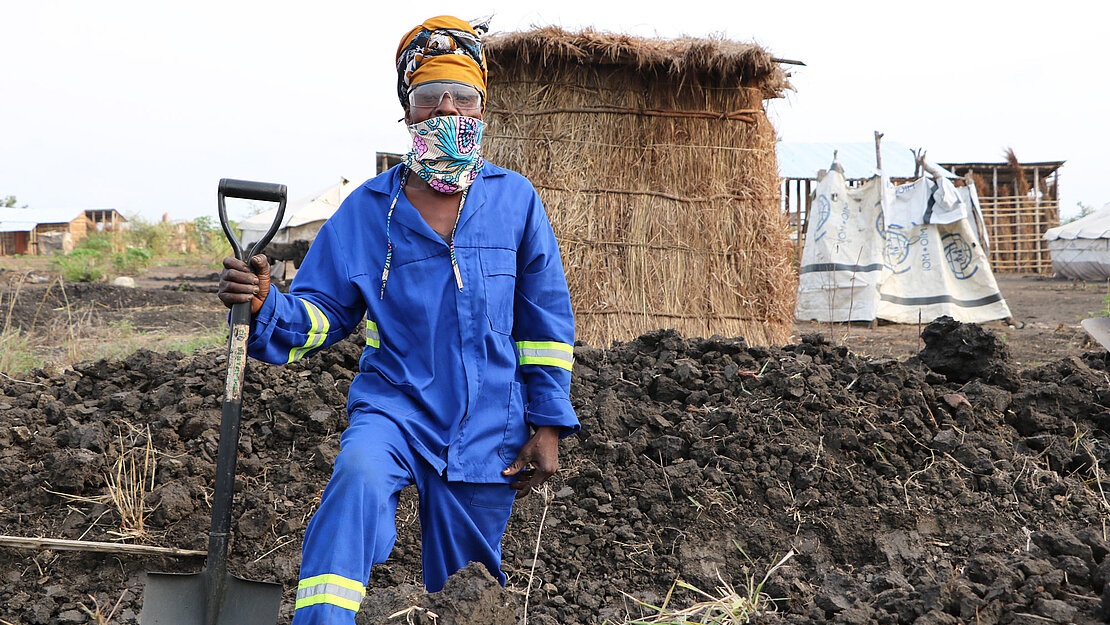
x=132 y=260
x=152 y=236
x=206 y=237
x=97 y=242
x=80 y=265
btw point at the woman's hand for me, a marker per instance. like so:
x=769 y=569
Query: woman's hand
x=542 y=453
x=240 y=284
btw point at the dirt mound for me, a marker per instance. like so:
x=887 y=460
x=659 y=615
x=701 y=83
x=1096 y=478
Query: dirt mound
x=907 y=496
x=470 y=597
x=961 y=351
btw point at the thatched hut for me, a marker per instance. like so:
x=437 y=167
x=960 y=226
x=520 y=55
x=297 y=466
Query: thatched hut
x=656 y=163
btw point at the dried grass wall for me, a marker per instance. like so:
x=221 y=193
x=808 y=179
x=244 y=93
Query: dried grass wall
x=667 y=215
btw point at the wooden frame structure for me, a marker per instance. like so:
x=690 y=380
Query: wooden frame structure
x=1018 y=208
x=106 y=219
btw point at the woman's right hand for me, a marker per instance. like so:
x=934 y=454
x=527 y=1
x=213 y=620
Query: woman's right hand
x=240 y=283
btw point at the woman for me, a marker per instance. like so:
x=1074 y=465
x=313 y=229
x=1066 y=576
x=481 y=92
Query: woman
x=463 y=387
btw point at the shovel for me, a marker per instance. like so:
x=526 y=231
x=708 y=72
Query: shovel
x=1099 y=329
x=213 y=597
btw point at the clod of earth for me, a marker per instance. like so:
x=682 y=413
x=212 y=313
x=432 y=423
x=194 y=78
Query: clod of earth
x=948 y=488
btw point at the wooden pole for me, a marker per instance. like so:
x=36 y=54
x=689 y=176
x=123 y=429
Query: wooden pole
x=61 y=544
x=878 y=151
x=797 y=220
x=1038 y=241
x=994 y=216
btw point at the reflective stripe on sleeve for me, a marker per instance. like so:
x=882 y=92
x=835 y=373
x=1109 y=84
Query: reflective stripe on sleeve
x=330 y=589
x=373 y=337
x=317 y=333
x=549 y=353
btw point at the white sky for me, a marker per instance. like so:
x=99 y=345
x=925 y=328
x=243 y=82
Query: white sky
x=144 y=106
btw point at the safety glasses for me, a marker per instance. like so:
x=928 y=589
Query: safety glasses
x=430 y=94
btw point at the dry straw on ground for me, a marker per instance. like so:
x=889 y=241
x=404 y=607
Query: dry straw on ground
x=656 y=164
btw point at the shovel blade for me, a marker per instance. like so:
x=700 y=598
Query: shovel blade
x=1099 y=329
x=179 y=599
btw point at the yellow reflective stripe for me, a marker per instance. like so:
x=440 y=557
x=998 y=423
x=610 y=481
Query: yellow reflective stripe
x=563 y=347
x=550 y=353
x=317 y=333
x=328 y=578
x=373 y=337
x=539 y=360
x=330 y=589
x=329 y=599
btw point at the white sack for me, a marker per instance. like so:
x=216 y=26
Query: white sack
x=936 y=269
x=923 y=201
x=842 y=261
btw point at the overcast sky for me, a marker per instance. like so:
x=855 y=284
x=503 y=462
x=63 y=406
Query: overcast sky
x=144 y=106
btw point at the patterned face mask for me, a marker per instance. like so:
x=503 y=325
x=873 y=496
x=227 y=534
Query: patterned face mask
x=446 y=152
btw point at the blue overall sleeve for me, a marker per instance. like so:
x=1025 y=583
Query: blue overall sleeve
x=543 y=326
x=323 y=306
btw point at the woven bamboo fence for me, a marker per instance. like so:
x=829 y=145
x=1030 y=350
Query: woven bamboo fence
x=1019 y=202
x=656 y=165
x=1016 y=227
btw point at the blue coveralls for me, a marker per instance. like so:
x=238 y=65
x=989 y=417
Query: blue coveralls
x=449 y=381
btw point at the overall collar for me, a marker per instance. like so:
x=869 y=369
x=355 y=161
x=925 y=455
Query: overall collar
x=405 y=214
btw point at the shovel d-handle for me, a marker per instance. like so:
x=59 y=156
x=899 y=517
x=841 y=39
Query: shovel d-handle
x=250 y=190
x=218 y=539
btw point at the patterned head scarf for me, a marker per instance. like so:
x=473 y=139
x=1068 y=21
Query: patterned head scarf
x=442 y=48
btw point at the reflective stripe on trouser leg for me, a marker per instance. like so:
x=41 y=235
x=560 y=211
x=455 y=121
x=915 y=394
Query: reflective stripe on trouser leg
x=460 y=523
x=354 y=528
x=330 y=589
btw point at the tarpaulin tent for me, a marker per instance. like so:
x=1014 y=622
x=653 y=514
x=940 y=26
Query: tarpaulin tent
x=1081 y=249
x=303 y=218
x=906 y=253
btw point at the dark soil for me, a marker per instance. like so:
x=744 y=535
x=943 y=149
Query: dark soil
x=53 y=308
x=966 y=492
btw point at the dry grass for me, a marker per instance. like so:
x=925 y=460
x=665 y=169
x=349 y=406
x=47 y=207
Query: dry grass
x=96 y=613
x=667 y=213
x=712 y=60
x=15 y=351
x=131 y=480
x=729 y=606
x=80 y=332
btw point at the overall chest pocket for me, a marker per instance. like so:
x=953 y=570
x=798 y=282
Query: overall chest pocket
x=499 y=273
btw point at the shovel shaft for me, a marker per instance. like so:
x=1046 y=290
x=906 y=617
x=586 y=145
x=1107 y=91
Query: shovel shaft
x=220 y=534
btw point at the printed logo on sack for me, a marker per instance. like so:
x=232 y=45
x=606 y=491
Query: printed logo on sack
x=880 y=223
x=959 y=255
x=824 y=209
x=896 y=250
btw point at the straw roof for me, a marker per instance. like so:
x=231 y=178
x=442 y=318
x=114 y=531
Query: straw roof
x=711 y=61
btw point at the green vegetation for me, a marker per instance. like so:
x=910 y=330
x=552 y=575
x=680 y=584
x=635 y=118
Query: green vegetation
x=81 y=265
x=15 y=352
x=1105 y=311
x=130 y=251
x=20 y=352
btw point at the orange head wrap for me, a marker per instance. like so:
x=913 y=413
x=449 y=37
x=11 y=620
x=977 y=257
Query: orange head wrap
x=442 y=48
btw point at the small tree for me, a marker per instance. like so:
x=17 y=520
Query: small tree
x=1084 y=210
